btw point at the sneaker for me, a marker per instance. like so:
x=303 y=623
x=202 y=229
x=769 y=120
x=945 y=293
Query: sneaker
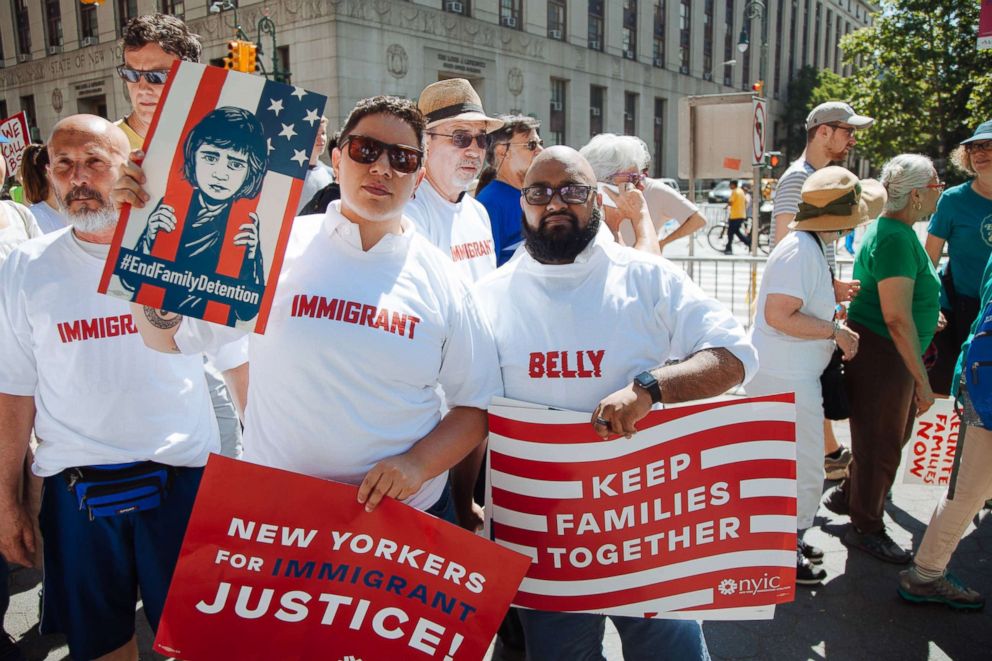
x=811 y=553
x=9 y=651
x=807 y=573
x=878 y=544
x=836 y=502
x=837 y=469
x=947 y=590
x=728 y=251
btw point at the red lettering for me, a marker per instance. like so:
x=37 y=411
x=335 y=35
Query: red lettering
x=113 y=327
x=129 y=326
x=307 y=306
x=351 y=309
x=61 y=331
x=553 y=371
x=565 y=372
x=398 y=324
x=368 y=311
x=597 y=361
x=566 y=364
x=324 y=308
x=536 y=370
x=413 y=324
x=90 y=329
x=382 y=320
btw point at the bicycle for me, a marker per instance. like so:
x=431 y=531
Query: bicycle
x=717 y=236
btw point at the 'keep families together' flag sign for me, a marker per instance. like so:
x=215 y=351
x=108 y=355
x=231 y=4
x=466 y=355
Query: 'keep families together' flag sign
x=695 y=516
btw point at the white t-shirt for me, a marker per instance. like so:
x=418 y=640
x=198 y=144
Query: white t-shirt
x=569 y=335
x=664 y=204
x=460 y=229
x=102 y=397
x=17 y=228
x=797 y=268
x=356 y=344
x=49 y=220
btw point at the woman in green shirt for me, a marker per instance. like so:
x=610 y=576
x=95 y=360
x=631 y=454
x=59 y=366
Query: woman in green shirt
x=895 y=314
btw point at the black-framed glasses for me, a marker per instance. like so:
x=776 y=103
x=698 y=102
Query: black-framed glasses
x=155 y=77
x=850 y=129
x=985 y=145
x=531 y=145
x=569 y=194
x=633 y=178
x=365 y=150
x=463 y=139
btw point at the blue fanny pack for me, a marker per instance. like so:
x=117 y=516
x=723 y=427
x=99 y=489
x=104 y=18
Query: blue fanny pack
x=978 y=368
x=114 y=489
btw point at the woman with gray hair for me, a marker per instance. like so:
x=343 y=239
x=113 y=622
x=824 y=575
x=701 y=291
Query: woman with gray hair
x=621 y=161
x=895 y=314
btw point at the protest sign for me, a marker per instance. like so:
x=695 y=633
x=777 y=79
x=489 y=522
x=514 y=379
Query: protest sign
x=693 y=516
x=929 y=455
x=226 y=156
x=15 y=129
x=277 y=565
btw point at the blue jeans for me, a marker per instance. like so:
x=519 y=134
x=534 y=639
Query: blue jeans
x=579 y=637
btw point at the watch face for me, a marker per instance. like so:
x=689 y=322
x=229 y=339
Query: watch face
x=645 y=380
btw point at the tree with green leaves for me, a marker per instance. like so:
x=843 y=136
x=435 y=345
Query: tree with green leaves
x=918 y=72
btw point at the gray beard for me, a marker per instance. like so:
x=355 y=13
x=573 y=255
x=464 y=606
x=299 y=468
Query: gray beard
x=92 y=222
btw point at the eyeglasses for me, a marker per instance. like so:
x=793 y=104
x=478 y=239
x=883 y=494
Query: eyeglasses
x=531 y=145
x=463 y=139
x=985 y=145
x=156 y=77
x=366 y=150
x=850 y=129
x=633 y=178
x=940 y=185
x=569 y=194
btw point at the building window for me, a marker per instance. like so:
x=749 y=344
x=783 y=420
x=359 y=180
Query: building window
x=559 y=110
x=456 y=6
x=659 y=135
x=596 y=25
x=685 y=34
x=816 y=36
x=22 y=25
x=53 y=23
x=792 y=37
x=780 y=37
x=126 y=10
x=728 y=43
x=3 y=108
x=827 y=40
x=630 y=29
x=175 y=8
x=708 y=39
x=597 y=103
x=556 y=19
x=630 y=113
x=746 y=62
x=837 y=55
x=511 y=14
x=27 y=105
x=658 y=50
x=88 y=29
x=809 y=9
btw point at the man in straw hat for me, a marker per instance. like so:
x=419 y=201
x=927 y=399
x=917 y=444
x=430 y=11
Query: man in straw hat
x=795 y=332
x=457 y=129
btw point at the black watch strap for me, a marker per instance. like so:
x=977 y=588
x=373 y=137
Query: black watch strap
x=647 y=381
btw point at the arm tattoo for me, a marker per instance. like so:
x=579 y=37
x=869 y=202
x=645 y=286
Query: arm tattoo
x=157 y=319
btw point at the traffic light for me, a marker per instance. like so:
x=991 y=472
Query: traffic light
x=758 y=87
x=233 y=59
x=773 y=159
x=250 y=59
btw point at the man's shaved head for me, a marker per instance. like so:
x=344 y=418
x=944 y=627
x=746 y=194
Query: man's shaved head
x=562 y=160
x=86 y=154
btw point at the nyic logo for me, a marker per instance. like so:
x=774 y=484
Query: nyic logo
x=750 y=586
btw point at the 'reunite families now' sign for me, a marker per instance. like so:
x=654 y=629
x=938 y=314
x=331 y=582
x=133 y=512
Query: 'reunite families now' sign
x=276 y=565
x=695 y=516
x=928 y=457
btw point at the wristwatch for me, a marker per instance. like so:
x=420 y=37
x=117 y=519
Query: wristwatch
x=649 y=383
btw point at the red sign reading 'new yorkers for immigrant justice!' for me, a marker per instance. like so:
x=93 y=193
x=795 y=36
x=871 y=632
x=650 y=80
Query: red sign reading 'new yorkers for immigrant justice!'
x=692 y=517
x=282 y=566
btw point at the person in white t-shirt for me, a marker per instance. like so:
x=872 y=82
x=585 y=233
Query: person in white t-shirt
x=33 y=173
x=452 y=220
x=102 y=406
x=368 y=319
x=564 y=294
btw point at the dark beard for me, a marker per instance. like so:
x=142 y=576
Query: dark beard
x=561 y=246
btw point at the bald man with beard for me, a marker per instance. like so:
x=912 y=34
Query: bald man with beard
x=567 y=293
x=103 y=407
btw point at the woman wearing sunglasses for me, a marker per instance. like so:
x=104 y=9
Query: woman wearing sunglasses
x=367 y=320
x=963 y=220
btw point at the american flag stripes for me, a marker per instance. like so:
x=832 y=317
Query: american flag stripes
x=695 y=516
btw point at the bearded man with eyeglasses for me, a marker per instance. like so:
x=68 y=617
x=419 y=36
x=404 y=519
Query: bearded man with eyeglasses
x=150 y=44
x=457 y=135
x=565 y=293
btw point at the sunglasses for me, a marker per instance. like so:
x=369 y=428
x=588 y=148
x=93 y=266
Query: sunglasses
x=463 y=139
x=978 y=146
x=626 y=178
x=569 y=194
x=365 y=150
x=531 y=145
x=850 y=129
x=157 y=77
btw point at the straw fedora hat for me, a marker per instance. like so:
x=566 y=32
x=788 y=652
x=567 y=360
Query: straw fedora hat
x=833 y=200
x=454 y=99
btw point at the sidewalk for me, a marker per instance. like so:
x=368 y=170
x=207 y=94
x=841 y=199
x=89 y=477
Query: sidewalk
x=856 y=614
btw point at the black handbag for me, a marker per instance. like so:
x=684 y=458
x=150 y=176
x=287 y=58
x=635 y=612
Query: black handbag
x=835 y=403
